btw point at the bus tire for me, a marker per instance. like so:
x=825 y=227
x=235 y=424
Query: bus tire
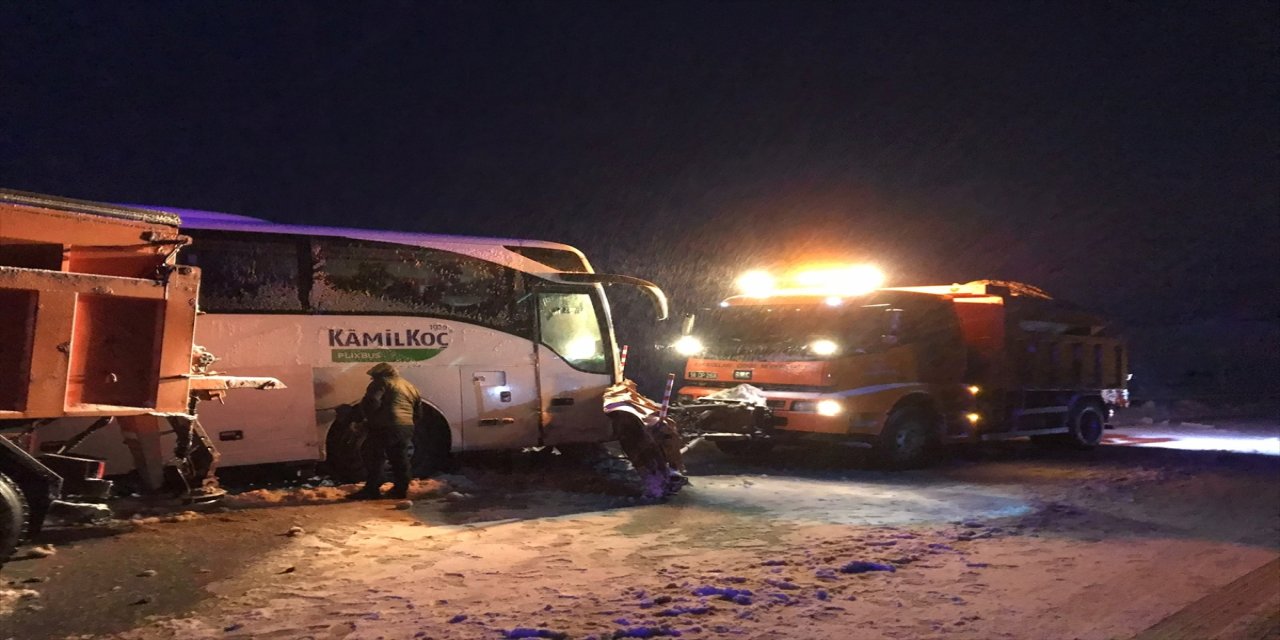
x=908 y=439
x=432 y=445
x=1086 y=424
x=744 y=448
x=342 y=460
x=14 y=517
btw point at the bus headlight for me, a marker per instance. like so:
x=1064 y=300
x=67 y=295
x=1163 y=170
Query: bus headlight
x=830 y=408
x=688 y=346
x=823 y=347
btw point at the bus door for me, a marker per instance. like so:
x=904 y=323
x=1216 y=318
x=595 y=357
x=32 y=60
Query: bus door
x=574 y=365
x=500 y=406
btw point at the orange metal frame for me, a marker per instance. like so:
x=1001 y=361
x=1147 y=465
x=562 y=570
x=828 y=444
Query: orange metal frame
x=97 y=319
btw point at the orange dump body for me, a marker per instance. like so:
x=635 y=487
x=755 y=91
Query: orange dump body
x=95 y=318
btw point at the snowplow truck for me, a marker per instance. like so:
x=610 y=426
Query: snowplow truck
x=901 y=370
x=96 y=322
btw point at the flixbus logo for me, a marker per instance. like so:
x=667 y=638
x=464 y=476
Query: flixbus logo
x=388 y=345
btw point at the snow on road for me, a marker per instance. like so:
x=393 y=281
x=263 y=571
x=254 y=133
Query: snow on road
x=1014 y=545
x=1255 y=438
x=816 y=501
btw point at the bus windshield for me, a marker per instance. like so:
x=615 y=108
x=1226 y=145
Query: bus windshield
x=570 y=326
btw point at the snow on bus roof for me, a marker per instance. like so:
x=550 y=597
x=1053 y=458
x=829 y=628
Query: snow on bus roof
x=217 y=221
x=497 y=250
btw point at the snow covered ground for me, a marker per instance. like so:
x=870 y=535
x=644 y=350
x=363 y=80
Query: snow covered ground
x=1258 y=436
x=1006 y=542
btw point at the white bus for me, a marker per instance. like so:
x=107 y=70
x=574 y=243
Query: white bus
x=509 y=341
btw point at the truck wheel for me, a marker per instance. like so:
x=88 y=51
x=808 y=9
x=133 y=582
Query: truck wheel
x=909 y=437
x=14 y=515
x=744 y=448
x=1085 y=426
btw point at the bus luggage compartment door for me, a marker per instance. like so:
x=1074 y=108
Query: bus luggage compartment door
x=499 y=407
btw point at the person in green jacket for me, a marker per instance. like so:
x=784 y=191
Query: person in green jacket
x=391 y=405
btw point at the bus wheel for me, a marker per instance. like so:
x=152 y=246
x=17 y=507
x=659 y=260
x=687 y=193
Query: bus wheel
x=744 y=448
x=432 y=446
x=1085 y=425
x=907 y=440
x=14 y=515
x=342 y=459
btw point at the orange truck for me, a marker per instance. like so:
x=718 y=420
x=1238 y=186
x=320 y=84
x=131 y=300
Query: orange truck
x=96 y=322
x=899 y=370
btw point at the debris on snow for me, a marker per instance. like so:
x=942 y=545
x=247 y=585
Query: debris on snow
x=682 y=610
x=295 y=531
x=147 y=573
x=404 y=505
x=646 y=632
x=860 y=566
x=725 y=593
x=461 y=617
x=185 y=516
x=458 y=482
x=42 y=551
x=322 y=494
x=527 y=632
x=9 y=598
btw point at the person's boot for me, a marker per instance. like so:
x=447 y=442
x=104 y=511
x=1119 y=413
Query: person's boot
x=398 y=493
x=367 y=493
x=675 y=482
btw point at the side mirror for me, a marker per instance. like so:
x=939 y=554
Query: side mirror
x=686 y=326
x=655 y=294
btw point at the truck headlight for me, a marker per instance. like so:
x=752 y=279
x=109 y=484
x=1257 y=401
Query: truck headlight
x=824 y=347
x=688 y=346
x=830 y=408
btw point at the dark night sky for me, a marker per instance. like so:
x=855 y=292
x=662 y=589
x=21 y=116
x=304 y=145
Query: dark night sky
x=1123 y=155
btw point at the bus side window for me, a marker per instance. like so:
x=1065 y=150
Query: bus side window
x=368 y=277
x=246 y=274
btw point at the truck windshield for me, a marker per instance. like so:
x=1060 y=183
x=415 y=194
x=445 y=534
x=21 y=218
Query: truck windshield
x=788 y=331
